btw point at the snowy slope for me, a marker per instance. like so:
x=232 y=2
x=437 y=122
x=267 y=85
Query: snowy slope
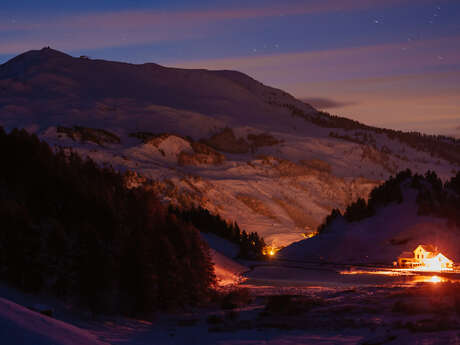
x=271 y=168
x=132 y=97
x=20 y=326
x=379 y=239
x=227 y=270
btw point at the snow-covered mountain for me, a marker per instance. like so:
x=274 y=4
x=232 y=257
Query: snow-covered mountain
x=220 y=139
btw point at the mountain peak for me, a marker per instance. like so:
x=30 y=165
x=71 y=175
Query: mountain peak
x=34 y=56
x=50 y=51
x=29 y=60
x=231 y=94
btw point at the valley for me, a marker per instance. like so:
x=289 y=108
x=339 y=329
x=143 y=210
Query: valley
x=147 y=203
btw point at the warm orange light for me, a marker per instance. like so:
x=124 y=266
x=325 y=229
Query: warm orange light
x=270 y=250
x=432 y=265
x=425 y=258
x=435 y=264
x=435 y=279
x=429 y=279
x=309 y=235
x=380 y=272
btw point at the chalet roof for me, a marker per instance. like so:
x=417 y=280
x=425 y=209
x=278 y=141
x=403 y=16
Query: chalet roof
x=406 y=255
x=444 y=257
x=428 y=248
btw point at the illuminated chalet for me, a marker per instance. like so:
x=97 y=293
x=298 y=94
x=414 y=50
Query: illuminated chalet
x=425 y=257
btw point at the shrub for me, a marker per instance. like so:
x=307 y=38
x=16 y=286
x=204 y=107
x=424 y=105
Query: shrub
x=214 y=319
x=291 y=304
x=236 y=298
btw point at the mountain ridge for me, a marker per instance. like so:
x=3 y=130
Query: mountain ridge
x=216 y=139
x=191 y=90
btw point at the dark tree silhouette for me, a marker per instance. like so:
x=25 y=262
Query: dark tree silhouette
x=433 y=198
x=72 y=228
x=250 y=245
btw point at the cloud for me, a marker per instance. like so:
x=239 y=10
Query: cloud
x=373 y=61
x=389 y=86
x=426 y=102
x=326 y=103
x=148 y=17
x=132 y=27
x=79 y=40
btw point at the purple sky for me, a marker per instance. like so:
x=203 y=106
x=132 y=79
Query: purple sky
x=392 y=63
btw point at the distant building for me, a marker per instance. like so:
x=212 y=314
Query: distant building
x=425 y=257
x=406 y=259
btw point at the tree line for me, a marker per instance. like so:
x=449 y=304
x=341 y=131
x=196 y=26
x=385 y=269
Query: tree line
x=433 y=198
x=250 y=244
x=445 y=147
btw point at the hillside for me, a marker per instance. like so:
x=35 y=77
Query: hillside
x=216 y=139
x=405 y=211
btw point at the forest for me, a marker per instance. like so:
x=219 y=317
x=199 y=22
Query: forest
x=434 y=198
x=250 y=245
x=72 y=229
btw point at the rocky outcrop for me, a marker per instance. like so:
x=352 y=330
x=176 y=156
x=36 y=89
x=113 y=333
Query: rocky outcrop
x=85 y=134
x=262 y=139
x=226 y=141
x=202 y=154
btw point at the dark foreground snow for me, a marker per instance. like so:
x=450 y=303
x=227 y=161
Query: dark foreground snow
x=21 y=326
x=425 y=313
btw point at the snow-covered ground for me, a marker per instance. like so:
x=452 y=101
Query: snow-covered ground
x=228 y=271
x=359 y=312
x=329 y=304
x=21 y=326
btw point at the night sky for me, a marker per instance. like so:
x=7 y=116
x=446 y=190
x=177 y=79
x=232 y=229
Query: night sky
x=391 y=63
